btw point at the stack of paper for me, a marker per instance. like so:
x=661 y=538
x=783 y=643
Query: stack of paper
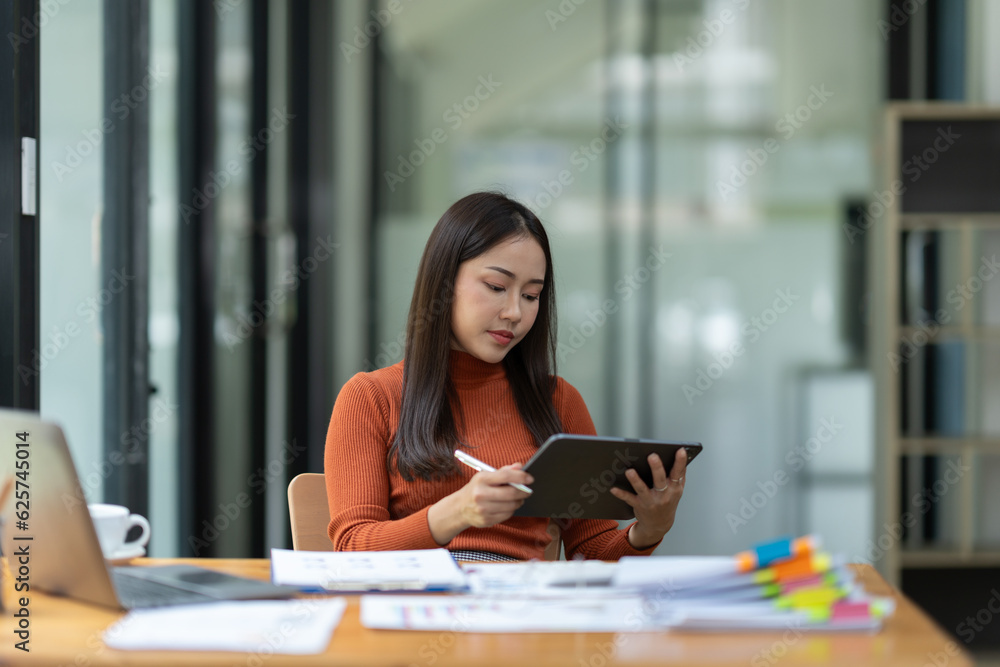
x=783 y=584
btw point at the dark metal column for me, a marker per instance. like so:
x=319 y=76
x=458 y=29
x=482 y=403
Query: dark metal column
x=259 y=114
x=19 y=250
x=125 y=248
x=196 y=271
x=310 y=216
x=298 y=221
x=323 y=238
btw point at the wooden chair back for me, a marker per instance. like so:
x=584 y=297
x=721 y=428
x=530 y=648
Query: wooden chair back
x=309 y=512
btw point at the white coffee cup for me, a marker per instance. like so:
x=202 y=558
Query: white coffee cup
x=112 y=523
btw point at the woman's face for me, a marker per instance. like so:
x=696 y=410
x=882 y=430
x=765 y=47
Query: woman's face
x=496 y=298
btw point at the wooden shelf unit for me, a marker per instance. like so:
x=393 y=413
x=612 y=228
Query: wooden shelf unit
x=889 y=333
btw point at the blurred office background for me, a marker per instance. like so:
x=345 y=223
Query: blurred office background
x=695 y=163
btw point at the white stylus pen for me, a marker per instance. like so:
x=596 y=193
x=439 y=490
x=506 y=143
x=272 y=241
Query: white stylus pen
x=476 y=464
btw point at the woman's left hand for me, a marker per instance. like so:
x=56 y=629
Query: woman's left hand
x=654 y=507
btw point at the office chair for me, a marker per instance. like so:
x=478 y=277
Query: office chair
x=309 y=516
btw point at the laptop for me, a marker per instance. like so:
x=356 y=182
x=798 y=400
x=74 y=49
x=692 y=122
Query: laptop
x=47 y=521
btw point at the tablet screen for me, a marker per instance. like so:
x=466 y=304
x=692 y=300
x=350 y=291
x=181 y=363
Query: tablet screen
x=574 y=472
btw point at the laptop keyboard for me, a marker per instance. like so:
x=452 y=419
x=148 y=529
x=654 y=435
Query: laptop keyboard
x=136 y=593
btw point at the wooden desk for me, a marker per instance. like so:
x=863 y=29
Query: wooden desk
x=65 y=632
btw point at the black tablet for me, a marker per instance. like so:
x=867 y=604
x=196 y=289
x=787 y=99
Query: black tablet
x=574 y=472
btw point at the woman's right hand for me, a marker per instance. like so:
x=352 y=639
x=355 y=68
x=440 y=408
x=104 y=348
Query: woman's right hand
x=486 y=500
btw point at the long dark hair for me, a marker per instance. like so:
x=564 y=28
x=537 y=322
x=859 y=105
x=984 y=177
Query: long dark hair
x=426 y=439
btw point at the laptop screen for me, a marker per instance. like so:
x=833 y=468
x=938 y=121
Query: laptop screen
x=46 y=519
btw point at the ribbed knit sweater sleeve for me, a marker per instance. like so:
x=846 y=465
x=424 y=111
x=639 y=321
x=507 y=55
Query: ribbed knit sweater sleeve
x=357 y=481
x=591 y=538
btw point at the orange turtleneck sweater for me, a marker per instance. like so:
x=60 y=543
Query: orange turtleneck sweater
x=372 y=509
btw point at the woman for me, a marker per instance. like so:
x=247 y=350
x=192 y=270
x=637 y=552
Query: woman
x=477 y=375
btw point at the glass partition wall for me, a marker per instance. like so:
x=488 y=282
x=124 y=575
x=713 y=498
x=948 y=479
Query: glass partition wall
x=692 y=162
x=71 y=181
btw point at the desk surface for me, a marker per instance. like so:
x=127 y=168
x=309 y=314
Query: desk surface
x=66 y=632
